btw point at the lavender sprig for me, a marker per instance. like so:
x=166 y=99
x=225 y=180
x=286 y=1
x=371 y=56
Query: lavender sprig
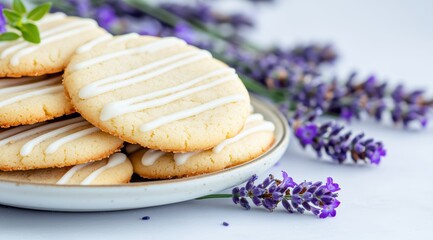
x=318 y=198
x=330 y=139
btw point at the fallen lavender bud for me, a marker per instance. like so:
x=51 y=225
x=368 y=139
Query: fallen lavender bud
x=317 y=198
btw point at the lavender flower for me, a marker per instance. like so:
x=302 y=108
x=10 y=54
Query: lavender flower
x=106 y=16
x=2 y=20
x=318 y=198
x=329 y=138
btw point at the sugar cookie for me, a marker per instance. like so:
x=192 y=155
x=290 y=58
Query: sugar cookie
x=255 y=139
x=158 y=92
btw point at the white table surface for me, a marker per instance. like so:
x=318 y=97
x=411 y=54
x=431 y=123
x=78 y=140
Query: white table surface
x=393 y=201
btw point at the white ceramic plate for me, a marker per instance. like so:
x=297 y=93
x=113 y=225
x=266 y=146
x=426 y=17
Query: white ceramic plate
x=79 y=198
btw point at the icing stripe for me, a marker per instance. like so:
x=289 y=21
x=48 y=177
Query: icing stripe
x=34 y=129
x=191 y=112
x=71 y=172
x=46 y=35
x=113 y=161
x=47 y=90
x=91 y=44
x=149 y=47
x=28 y=147
x=120 y=80
x=117 y=108
x=151 y=156
x=53 y=147
x=182 y=158
x=254 y=117
x=30 y=86
x=123 y=38
x=265 y=126
x=51 y=18
x=15 y=60
x=12 y=131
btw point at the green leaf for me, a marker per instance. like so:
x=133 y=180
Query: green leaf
x=9 y=36
x=11 y=16
x=30 y=33
x=38 y=12
x=19 y=7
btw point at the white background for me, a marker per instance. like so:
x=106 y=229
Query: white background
x=393 y=201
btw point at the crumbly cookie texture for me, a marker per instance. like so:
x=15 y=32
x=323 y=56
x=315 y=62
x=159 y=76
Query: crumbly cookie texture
x=117 y=174
x=60 y=37
x=32 y=100
x=241 y=151
x=135 y=88
x=56 y=143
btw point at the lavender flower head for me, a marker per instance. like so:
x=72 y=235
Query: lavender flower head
x=330 y=139
x=318 y=198
x=2 y=20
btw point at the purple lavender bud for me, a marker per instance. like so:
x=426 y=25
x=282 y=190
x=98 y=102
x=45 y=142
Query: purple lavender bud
x=331 y=186
x=235 y=195
x=2 y=20
x=244 y=203
x=106 y=16
x=250 y=183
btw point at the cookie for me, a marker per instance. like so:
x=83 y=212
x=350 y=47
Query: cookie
x=31 y=100
x=158 y=92
x=114 y=170
x=255 y=139
x=59 y=143
x=60 y=37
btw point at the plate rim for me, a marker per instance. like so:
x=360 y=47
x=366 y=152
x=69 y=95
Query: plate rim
x=254 y=98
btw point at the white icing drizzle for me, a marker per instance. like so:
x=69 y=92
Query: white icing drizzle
x=51 y=18
x=182 y=158
x=149 y=47
x=130 y=148
x=123 y=38
x=265 y=126
x=91 y=44
x=71 y=172
x=29 y=86
x=150 y=157
x=15 y=60
x=47 y=90
x=48 y=35
x=51 y=130
x=135 y=104
x=191 y=112
x=45 y=20
x=126 y=79
x=114 y=160
x=53 y=147
x=11 y=135
x=254 y=117
x=27 y=148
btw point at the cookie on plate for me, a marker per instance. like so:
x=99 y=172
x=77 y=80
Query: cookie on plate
x=113 y=170
x=60 y=37
x=31 y=100
x=158 y=92
x=256 y=138
x=59 y=143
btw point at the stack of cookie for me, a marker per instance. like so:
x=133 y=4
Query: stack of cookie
x=38 y=142
x=182 y=112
